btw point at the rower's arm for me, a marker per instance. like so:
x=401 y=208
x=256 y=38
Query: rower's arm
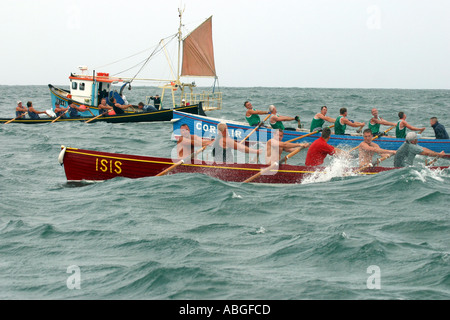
x=326 y=118
x=410 y=127
x=353 y=124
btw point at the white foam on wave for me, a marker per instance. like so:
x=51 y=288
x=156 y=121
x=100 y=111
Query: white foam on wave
x=423 y=173
x=339 y=167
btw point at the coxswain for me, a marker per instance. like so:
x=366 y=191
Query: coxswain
x=341 y=123
x=439 y=129
x=400 y=130
x=319 y=119
x=368 y=148
x=252 y=115
x=276 y=146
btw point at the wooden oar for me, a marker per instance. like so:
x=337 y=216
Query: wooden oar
x=257 y=127
x=22 y=115
x=272 y=166
x=56 y=119
x=378 y=162
x=182 y=161
x=376 y=137
x=307 y=135
x=96 y=117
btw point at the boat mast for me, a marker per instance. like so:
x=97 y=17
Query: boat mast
x=180 y=15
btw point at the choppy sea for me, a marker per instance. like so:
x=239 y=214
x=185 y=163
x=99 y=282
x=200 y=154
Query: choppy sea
x=193 y=237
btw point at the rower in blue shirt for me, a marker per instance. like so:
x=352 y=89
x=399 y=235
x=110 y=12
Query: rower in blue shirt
x=439 y=129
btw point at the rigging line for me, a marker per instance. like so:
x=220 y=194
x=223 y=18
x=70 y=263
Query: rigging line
x=153 y=53
x=107 y=65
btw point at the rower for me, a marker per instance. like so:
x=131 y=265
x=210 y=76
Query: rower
x=320 y=118
x=341 y=123
x=74 y=109
x=368 y=148
x=103 y=107
x=400 y=130
x=409 y=149
x=276 y=121
x=223 y=146
x=376 y=121
x=20 y=109
x=59 y=111
x=119 y=108
x=252 y=115
x=186 y=143
x=276 y=146
x=320 y=148
x=33 y=113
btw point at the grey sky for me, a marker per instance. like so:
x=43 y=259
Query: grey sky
x=296 y=43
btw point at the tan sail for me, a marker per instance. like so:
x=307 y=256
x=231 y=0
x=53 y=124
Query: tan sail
x=198 y=52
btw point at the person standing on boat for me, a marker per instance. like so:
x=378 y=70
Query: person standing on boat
x=368 y=148
x=439 y=129
x=223 y=146
x=276 y=146
x=20 y=109
x=341 y=123
x=252 y=115
x=377 y=121
x=157 y=101
x=103 y=107
x=320 y=148
x=400 y=130
x=319 y=119
x=276 y=121
x=59 y=111
x=186 y=143
x=33 y=113
x=409 y=149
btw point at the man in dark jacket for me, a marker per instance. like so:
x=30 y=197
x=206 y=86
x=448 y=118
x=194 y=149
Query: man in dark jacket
x=439 y=129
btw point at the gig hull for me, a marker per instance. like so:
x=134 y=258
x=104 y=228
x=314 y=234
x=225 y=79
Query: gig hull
x=88 y=165
x=207 y=128
x=162 y=115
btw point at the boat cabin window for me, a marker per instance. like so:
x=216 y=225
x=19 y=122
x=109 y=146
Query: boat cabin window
x=74 y=85
x=82 y=86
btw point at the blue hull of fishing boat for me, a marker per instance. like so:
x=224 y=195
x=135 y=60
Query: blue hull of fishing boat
x=207 y=128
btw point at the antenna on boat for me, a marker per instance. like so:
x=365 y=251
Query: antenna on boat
x=180 y=36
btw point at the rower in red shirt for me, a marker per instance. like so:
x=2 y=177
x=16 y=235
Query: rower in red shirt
x=320 y=148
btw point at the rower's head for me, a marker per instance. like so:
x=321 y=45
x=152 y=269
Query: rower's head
x=343 y=112
x=185 y=131
x=140 y=105
x=412 y=138
x=401 y=115
x=29 y=104
x=248 y=104
x=324 y=110
x=278 y=135
x=222 y=128
x=433 y=121
x=103 y=101
x=326 y=133
x=368 y=136
x=272 y=109
x=19 y=103
x=375 y=112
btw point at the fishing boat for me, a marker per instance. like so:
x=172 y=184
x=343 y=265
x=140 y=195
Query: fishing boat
x=89 y=165
x=206 y=127
x=160 y=115
x=196 y=60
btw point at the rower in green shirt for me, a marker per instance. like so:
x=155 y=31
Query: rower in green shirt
x=320 y=118
x=377 y=121
x=400 y=130
x=276 y=121
x=252 y=115
x=341 y=123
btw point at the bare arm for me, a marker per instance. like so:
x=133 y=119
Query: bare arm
x=326 y=118
x=282 y=118
x=428 y=152
x=250 y=112
x=353 y=124
x=410 y=127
